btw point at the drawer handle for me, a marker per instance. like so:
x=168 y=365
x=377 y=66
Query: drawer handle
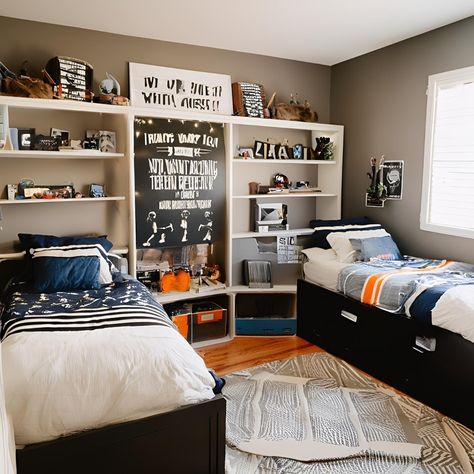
x=426 y=343
x=349 y=316
x=417 y=350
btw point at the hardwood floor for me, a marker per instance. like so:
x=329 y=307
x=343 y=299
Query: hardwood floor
x=248 y=351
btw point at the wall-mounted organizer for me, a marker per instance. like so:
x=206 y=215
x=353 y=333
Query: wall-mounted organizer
x=115 y=215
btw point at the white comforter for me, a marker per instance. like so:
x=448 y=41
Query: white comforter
x=57 y=383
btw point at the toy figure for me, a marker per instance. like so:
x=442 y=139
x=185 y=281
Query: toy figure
x=207 y=225
x=152 y=218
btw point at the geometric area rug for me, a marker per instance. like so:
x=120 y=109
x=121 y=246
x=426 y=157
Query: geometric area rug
x=317 y=414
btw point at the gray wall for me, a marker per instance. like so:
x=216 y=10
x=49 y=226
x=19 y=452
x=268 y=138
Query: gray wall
x=38 y=42
x=380 y=99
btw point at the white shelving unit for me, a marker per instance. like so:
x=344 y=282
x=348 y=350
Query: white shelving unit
x=107 y=215
x=115 y=215
x=244 y=243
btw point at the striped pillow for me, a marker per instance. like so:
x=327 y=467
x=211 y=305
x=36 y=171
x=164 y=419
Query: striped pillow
x=73 y=251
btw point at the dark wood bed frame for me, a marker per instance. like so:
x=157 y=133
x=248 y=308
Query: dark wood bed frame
x=190 y=439
x=388 y=347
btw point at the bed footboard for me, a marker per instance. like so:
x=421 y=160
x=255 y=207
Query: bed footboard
x=190 y=440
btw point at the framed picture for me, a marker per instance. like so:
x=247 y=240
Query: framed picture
x=260 y=149
x=91 y=142
x=97 y=190
x=257 y=273
x=272 y=151
x=271 y=213
x=297 y=151
x=107 y=141
x=392 y=177
x=245 y=153
x=25 y=138
x=283 y=153
x=45 y=143
x=63 y=135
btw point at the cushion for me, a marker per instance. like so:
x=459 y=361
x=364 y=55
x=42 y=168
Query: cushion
x=383 y=248
x=72 y=251
x=341 y=242
x=51 y=274
x=316 y=253
x=29 y=241
x=318 y=238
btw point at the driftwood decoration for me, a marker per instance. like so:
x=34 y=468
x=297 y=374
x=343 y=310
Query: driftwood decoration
x=24 y=86
x=284 y=111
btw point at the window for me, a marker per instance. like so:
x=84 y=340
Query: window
x=448 y=174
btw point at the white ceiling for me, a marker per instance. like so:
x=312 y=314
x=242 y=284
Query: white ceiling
x=316 y=31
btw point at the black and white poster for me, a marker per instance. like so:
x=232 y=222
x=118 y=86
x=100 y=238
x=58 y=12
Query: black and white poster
x=179 y=182
x=392 y=175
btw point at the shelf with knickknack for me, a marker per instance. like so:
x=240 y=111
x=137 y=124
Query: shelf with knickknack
x=69 y=152
x=265 y=151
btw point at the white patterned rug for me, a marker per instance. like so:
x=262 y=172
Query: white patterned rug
x=316 y=414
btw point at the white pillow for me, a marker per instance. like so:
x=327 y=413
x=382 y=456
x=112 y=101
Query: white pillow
x=105 y=275
x=316 y=253
x=341 y=244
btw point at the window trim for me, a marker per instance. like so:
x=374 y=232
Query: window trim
x=435 y=81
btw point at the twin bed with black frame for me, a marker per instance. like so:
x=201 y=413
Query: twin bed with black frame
x=97 y=378
x=407 y=321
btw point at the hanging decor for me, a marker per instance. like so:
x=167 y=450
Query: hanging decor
x=376 y=192
x=392 y=178
x=179 y=182
x=180 y=89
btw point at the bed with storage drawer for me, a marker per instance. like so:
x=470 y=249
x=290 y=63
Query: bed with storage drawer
x=97 y=378
x=406 y=321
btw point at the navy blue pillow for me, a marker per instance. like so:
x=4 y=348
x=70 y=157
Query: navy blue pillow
x=36 y=241
x=324 y=227
x=360 y=220
x=51 y=274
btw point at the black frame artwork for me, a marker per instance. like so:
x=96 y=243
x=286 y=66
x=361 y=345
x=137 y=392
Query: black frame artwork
x=25 y=143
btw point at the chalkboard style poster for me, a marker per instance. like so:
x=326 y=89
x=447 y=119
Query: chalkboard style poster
x=179 y=182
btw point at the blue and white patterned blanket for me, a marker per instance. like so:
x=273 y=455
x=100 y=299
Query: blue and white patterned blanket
x=125 y=303
x=438 y=292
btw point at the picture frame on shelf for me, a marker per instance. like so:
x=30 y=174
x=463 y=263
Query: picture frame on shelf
x=25 y=138
x=272 y=151
x=283 y=152
x=107 y=141
x=245 y=153
x=45 y=143
x=63 y=135
x=260 y=150
x=97 y=191
x=297 y=151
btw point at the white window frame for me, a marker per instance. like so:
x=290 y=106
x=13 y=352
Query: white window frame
x=435 y=82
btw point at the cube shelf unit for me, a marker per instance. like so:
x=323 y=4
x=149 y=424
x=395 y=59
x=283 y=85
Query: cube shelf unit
x=115 y=215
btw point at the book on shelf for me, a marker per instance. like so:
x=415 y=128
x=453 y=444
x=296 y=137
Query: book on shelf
x=278 y=191
x=266 y=227
x=304 y=189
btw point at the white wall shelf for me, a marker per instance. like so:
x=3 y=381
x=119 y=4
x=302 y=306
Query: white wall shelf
x=173 y=296
x=249 y=235
x=283 y=195
x=59 y=201
x=61 y=155
x=275 y=289
x=257 y=161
